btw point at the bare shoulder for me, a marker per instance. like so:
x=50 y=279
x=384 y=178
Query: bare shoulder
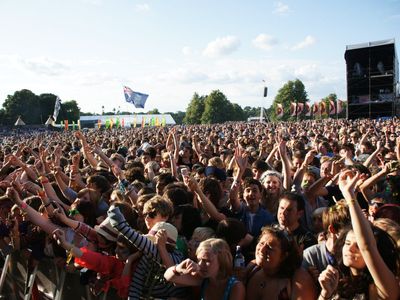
x=238 y=291
x=303 y=286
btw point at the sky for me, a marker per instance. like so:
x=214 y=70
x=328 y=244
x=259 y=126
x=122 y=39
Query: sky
x=87 y=50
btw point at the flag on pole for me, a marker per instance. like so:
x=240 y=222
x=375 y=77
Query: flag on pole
x=300 y=108
x=332 y=107
x=322 y=108
x=99 y=123
x=315 y=108
x=136 y=98
x=307 y=109
x=57 y=107
x=117 y=123
x=279 y=110
x=293 y=108
x=163 y=121
x=157 y=122
x=111 y=123
x=134 y=122
x=143 y=121
x=79 y=124
x=123 y=123
x=66 y=124
x=73 y=125
x=339 y=104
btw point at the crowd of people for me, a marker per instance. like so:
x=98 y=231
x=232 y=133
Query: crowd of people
x=163 y=212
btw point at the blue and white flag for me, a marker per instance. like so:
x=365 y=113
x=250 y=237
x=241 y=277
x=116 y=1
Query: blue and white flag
x=136 y=98
x=57 y=107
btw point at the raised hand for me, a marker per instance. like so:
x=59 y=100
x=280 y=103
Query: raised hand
x=347 y=183
x=328 y=279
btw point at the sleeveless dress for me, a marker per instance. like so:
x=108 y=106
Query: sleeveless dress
x=231 y=281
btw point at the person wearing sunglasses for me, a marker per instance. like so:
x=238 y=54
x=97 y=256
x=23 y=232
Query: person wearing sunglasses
x=157 y=209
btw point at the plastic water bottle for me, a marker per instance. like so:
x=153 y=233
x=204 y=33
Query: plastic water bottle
x=238 y=262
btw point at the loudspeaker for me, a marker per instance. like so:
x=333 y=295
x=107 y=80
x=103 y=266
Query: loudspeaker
x=265 y=91
x=372 y=74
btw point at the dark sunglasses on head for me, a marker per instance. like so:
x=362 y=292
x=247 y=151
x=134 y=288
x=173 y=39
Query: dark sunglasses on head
x=151 y=214
x=378 y=204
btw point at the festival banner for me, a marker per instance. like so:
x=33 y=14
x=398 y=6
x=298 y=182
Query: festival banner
x=332 y=107
x=136 y=98
x=57 y=107
x=279 y=110
x=99 y=123
x=307 y=109
x=163 y=121
x=66 y=124
x=300 y=108
x=315 y=108
x=322 y=107
x=293 y=108
x=339 y=104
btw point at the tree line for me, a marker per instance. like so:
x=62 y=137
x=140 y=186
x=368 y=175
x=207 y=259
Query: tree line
x=202 y=109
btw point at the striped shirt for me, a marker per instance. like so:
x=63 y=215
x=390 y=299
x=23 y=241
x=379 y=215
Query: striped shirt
x=148 y=277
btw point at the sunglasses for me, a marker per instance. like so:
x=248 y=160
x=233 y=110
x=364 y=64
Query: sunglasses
x=151 y=214
x=73 y=212
x=378 y=204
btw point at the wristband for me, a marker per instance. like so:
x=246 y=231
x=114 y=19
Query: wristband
x=351 y=201
x=175 y=271
x=23 y=206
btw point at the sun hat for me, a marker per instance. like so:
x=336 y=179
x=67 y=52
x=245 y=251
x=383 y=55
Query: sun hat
x=106 y=230
x=171 y=230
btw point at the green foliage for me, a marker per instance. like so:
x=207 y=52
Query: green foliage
x=216 y=109
x=35 y=109
x=292 y=91
x=179 y=116
x=195 y=110
x=153 y=112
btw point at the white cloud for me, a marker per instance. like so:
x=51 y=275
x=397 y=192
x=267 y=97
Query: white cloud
x=281 y=8
x=265 y=41
x=222 y=46
x=308 y=41
x=187 y=51
x=142 y=7
x=44 y=66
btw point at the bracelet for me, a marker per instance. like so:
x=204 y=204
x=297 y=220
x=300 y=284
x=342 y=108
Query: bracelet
x=23 y=206
x=351 y=201
x=41 y=193
x=175 y=271
x=325 y=298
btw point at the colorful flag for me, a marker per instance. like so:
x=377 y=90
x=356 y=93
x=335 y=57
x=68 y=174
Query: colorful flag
x=293 y=108
x=322 y=107
x=300 y=108
x=143 y=121
x=79 y=124
x=163 y=121
x=315 y=108
x=107 y=123
x=332 y=107
x=339 y=104
x=157 y=122
x=134 y=122
x=57 y=107
x=99 y=123
x=66 y=124
x=73 y=125
x=307 y=109
x=117 y=123
x=123 y=122
x=111 y=123
x=136 y=98
x=279 y=110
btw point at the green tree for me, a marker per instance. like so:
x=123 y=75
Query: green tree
x=153 y=112
x=216 y=109
x=292 y=91
x=237 y=113
x=179 y=116
x=23 y=103
x=70 y=111
x=195 y=110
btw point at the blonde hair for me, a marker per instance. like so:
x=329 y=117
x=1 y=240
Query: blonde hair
x=216 y=162
x=203 y=233
x=391 y=227
x=221 y=249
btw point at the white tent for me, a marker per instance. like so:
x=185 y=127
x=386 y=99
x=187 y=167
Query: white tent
x=49 y=121
x=19 y=122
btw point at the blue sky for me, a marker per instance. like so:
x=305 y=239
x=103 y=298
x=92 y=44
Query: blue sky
x=86 y=50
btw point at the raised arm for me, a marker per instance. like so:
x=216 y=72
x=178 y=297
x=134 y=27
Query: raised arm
x=385 y=281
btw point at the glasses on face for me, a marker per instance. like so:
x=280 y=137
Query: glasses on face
x=151 y=214
x=73 y=212
x=377 y=204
